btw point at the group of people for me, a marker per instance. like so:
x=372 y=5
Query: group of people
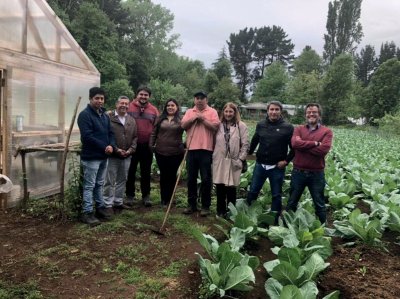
x=115 y=142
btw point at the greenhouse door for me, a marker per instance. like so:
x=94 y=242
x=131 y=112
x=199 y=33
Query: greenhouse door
x=2 y=126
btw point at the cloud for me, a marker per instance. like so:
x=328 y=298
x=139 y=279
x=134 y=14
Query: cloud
x=204 y=26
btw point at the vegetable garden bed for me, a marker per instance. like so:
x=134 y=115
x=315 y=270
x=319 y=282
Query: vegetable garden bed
x=123 y=258
x=43 y=259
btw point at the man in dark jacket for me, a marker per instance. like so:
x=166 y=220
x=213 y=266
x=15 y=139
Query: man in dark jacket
x=124 y=128
x=97 y=144
x=273 y=137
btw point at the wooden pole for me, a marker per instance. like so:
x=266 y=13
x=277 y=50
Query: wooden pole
x=160 y=231
x=25 y=181
x=65 y=153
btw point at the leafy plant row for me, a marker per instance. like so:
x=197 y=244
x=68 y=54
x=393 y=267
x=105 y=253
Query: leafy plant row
x=301 y=257
x=358 y=168
x=301 y=253
x=364 y=167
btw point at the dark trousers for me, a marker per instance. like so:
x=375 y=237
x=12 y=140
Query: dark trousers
x=168 y=166
x=315 y=181
x=144 y=156
x=225 y=195
x=199 y=160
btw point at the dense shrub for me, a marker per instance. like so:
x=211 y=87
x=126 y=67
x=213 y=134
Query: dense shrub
x=390 y=123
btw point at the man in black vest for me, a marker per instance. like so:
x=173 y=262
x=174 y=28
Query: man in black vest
x=273 y=136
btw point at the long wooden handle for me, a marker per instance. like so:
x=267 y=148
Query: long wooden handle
x=66 y=148
x=177 y=179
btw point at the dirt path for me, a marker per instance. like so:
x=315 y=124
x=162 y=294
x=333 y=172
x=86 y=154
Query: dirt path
x=125 y=259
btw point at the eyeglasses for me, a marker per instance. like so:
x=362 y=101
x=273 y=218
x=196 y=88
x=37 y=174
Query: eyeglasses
x=312 y=112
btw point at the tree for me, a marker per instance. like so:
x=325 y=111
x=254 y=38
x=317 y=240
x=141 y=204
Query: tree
x=97 y=36
x=307 y=62
x=272 y=86
x=150 y=24
x=241 y=50
x=211 y=81
x=366 y=64
x=114 y=89
x=69 y=8
x=60 y=12
x=222 y=67
x=116 y=13
x=337 y=89
x=344 y=30
x=304 y=88
x=192 y=74
x=164 y=90
x=388 y=51
x=360 y=100
x=165 y=65
x=226 y=91
x=272 y=44
x=384 y=88
x=146 y=33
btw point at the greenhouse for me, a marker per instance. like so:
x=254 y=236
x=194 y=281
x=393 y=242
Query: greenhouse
x=43 y=72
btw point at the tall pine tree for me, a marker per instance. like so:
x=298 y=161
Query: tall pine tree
x=241 y=50
x=272 y=44
x=344 y=30
x=366 y=64
x=388 y=51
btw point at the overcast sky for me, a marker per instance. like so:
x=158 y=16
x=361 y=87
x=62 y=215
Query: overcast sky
x=204 y=26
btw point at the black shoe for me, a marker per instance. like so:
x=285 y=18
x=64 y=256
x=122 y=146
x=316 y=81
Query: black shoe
x=189 y=211
x=205 y=212
x=89 y=219
x=118 y=209
x=130 y=200
x=103 y=213
x=146 y=201
x=222 y=215
x=129 y=204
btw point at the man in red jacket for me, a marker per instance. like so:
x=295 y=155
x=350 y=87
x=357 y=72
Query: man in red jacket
x=145 y=115
x=311 y=143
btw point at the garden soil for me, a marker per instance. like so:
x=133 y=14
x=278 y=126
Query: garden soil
x=65 y=260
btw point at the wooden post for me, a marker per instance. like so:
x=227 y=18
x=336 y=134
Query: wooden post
x=65 y=153
x=3 y=201
x=25 y=181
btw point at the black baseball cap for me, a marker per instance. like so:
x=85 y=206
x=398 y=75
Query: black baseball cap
x=200 y=94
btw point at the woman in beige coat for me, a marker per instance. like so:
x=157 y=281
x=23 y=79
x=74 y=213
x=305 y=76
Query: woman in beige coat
x=231 y=146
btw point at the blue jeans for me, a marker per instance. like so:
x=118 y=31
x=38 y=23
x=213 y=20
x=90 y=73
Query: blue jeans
x=315 y=181
x=93 y=180
x=275 y=176
x=199 y=161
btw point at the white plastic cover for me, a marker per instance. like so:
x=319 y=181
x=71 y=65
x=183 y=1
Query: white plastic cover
x=5 y=184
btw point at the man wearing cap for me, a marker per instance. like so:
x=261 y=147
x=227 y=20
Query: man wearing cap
x=272 y=136
x=145 y=115
x=201 y=123
x=311 y=143
x=97 y=145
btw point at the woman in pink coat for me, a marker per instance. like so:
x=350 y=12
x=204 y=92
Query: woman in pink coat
x=230 y=151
